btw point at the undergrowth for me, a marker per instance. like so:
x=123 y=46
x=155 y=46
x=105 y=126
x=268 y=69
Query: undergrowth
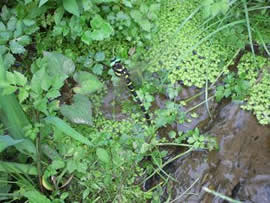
x=56 y=142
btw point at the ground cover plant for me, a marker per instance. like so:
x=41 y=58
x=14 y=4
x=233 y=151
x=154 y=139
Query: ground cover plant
x=56 y=142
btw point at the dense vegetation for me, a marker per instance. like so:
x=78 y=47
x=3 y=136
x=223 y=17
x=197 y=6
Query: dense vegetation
x=59 y=143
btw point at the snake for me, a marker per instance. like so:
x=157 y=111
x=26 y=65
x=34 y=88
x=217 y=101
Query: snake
x=121 y=71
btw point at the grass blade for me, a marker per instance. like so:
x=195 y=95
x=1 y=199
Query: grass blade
x=220 y=195
x=14 y=119
x=12 y=167
x=248 y=27
x=65 y=128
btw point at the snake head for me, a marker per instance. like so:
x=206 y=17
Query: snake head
x=115 y=61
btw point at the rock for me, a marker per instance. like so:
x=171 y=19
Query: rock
x=241 y=167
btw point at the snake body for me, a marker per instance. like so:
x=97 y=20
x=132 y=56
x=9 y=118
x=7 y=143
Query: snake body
x=121 y=71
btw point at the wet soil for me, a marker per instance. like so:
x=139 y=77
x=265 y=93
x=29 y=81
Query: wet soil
x=239 y=169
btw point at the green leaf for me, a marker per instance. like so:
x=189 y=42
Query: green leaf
x=136 y=15
x=9 y=90
x=100 y=56
x=4 y=37
x=24 y=40
x=16 y=48
x=207 y=2
x=19 y=29
x=42 y=2
x=12 y=167
x=40 y=81
x=98 y=69
x=102 y=29
x=41 y=105
x=107 y=30
x=145 y=24
x=27 y=1
x=7 y=141
x=10 y=77
x=53 y=93
x=87 y=37
x=72 y=7
x=224 y=6
x=127 y=3
x=80 y=111
x=97 y=35
x=20 y=78
x=88 y=83
x=58 y=15
x=28 y=22
x=2 y=27
x=215 y=9
x=34 y=196
x=11 y=25
x=103 y=155
x=96 y=22
x=58 y=64
x=14 y=118
x=65 y=128
x=57 y=164
x=23 y=94
x=5 y=13
x=227 y=93
x=144 y=8
x=9 y=60
x=87 y=5
x=3 y=49
x=191 y=140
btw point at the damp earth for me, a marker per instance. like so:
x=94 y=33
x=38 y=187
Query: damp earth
x=239 y=169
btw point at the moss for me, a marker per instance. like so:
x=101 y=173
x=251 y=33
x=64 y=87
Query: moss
x=259 y=99
x=251 y=66
x=173 y=50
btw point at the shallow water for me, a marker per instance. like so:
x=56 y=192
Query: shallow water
x=241 y=167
